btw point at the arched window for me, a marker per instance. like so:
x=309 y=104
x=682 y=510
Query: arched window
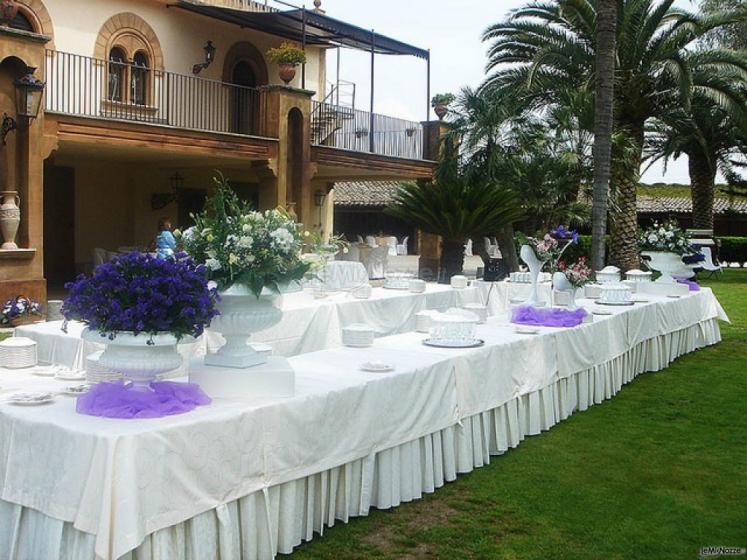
x=139 y=78
x=117 y=74
x=22 y=22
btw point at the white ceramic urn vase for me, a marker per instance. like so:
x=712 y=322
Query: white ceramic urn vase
x=535 y=265
x=241 y=314
x=666 y=264
x=139 y=358
x=561 y=284
x=10 y=219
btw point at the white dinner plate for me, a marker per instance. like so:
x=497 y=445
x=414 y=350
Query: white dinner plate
x=47 y=371
x=77 y=390
x=474 y=343
x=601 y=312
x=673 y=296
x=70 y=375
x=641 y=301
x=526 y=330
x=377 y=367
x=615 y=304
x=30 y=398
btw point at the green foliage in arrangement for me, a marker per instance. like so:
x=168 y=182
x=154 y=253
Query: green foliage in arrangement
x=287 y=53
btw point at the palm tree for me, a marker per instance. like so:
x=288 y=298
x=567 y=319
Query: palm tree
x=713 y=133
x=603 y=126
x=456 y=209
x=549 y=47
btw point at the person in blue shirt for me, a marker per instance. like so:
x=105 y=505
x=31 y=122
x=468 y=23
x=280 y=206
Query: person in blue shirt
x=165 y=240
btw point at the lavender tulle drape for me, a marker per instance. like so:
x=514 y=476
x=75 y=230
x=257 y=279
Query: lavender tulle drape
x=689 y=283
x=119 y=400
x=547 y=317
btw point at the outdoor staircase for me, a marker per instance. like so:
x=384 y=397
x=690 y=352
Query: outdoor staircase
x=332 y=113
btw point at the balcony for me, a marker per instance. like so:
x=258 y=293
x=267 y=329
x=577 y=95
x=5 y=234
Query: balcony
x=88 y=87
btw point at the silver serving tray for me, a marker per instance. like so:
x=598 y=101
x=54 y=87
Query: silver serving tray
x=435 y=344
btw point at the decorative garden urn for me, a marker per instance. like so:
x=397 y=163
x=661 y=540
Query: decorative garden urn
x=287 y=72
x=10 y=219
x=8 y=10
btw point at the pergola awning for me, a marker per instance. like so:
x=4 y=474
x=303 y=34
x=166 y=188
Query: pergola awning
x=309 y=27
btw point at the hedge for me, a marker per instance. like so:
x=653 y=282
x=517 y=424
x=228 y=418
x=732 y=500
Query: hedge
x=733 y=249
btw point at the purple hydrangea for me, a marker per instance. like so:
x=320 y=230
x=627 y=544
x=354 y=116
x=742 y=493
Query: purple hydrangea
x=143 y=294
x=18 y=308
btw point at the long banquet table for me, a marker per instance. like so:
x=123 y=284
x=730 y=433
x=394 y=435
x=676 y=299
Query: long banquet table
x=308 y=324
x=252 y=478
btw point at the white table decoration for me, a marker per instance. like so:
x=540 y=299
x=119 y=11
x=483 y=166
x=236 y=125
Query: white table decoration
x=664 y=245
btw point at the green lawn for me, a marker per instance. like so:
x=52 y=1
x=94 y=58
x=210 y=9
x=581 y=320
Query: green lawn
x=4 y=335
x=655 y=473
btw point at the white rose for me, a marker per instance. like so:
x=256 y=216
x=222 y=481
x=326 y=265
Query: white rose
x=213 y=264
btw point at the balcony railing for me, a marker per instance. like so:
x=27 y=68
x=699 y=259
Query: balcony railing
x=89 y=87
x=351 y=129
x=245 y=5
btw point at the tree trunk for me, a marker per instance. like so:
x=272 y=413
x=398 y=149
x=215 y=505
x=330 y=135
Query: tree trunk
x=603 y=125
x=703 y=186
x=507 y=246
x=452 y=260
x=624 y=218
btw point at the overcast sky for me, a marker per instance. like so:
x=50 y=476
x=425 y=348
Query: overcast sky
x=452 y=30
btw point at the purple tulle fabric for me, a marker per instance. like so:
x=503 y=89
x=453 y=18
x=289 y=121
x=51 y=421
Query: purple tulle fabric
x=689 y=283
x=547 y=317
x=119 y=400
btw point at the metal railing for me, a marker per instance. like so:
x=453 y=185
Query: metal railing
x=89 y=87
x=351 y=129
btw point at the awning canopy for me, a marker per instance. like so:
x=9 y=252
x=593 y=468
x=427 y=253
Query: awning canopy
x=319 y=29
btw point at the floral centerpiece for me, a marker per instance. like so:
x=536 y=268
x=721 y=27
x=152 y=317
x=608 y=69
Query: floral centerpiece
x=18 y=309
x=141 y=306
x=252 y=257
x=664 y=245
x=536 y=252
x=569 y=278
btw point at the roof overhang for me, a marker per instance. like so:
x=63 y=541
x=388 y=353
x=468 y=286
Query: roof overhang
x=320 y=29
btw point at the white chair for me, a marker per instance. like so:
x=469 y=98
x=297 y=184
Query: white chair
x=360 y=239
x=468 y=248
x=708 y=264
x=371 y=241
x=490 y=247
x=375 y=262
x=344 y=275
x=391 y=243
x=402 y=247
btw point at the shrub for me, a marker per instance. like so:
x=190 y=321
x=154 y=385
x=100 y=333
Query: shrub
x=733 y=249
x=443 y=99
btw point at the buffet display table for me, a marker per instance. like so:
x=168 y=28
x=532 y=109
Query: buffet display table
x=248 y=479
x=308 y=324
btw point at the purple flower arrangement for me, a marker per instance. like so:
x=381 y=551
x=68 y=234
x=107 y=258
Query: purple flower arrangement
x=17 y=308
x=550 y=246
x=139 y=293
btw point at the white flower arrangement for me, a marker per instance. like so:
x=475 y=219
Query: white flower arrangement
x=668 y=237
x=238 y=245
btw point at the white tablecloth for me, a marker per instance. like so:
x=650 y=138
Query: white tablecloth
x=113 y=483
x=308 y=324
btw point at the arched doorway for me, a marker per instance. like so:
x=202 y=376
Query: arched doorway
x=243 y=103
x=295 y=160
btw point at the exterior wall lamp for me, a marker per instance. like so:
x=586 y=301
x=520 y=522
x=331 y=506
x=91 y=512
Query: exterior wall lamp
x=29 y=92
x=159 y=201
x=209 y=49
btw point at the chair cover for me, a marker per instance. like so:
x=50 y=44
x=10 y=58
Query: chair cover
x=375 y=262
x=344 y=275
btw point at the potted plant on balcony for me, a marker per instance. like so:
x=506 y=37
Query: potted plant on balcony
x=141 y=306
x=8 y=10
x=664 y=245
x=287 y=56
x=440 y=104
x=19 y=310
x=253 y=257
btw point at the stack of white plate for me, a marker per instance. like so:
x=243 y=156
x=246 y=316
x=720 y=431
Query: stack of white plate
x=358 y=336
x=398 y=280
x=417 y=286
x=18 y=352
x=459 y=282
x=96 y=373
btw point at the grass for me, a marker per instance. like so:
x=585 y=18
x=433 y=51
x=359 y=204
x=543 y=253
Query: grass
x=655 y=473
x=4 y=335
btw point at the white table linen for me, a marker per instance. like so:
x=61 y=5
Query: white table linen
x=123 y=480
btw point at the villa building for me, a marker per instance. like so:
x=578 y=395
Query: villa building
x=143 y=100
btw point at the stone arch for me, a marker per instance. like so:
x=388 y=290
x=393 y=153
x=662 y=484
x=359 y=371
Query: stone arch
x=117 y=28
x=39 y=17
x=248 y=53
